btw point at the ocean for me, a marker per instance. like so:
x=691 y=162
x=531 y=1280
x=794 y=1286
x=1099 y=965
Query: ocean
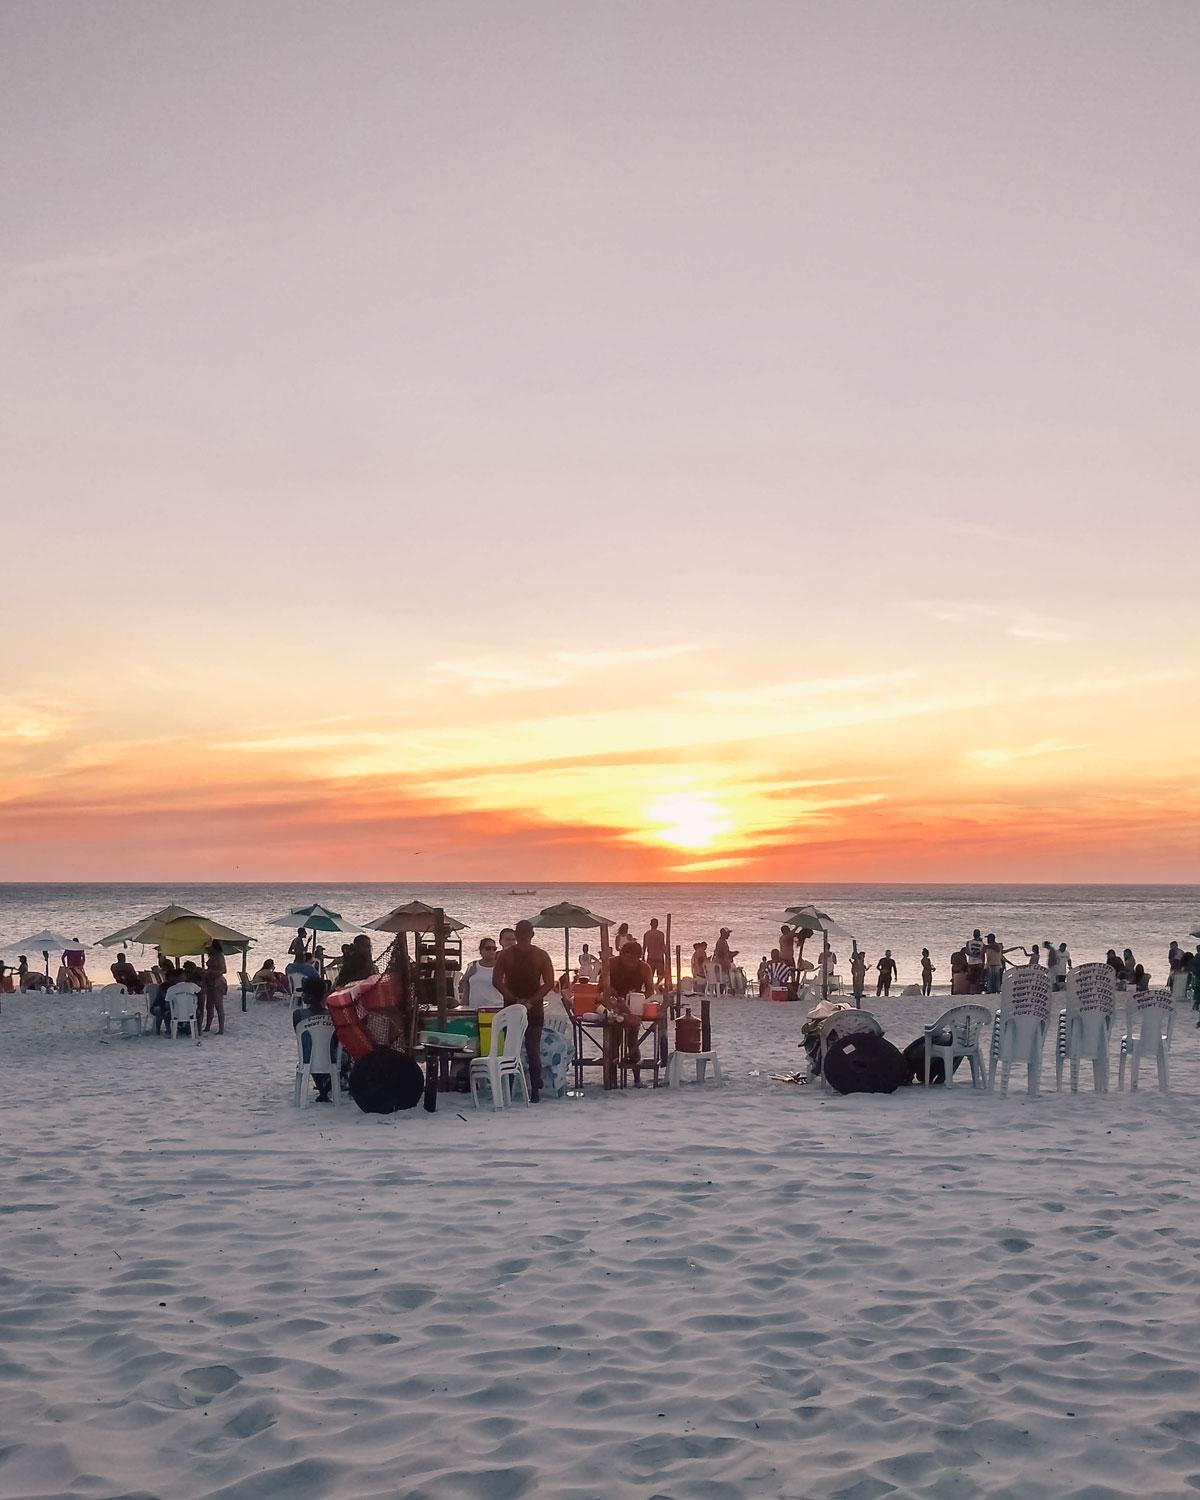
x=904 y=918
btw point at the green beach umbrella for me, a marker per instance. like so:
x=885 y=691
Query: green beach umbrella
x=316 y=918
x=568 y=915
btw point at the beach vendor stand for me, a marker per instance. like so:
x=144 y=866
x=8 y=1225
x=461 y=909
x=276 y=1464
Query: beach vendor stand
x=429 y=972
x=178 y=932
x=436 y=952
x=598 y=1034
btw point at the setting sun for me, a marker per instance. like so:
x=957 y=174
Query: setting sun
x=687 y=820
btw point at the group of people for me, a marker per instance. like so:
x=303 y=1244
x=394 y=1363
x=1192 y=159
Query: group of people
x=512 y=970
x=307 y=959
x=209 y=977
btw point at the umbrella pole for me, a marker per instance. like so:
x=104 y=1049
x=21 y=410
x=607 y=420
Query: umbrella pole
x=667 y=944
x=567 y=953
x=825 y=965
x=245 y=970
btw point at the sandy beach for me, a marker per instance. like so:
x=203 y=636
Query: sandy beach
x=757 y=1291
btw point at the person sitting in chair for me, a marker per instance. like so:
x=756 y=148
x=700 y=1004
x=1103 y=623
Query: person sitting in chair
x=312 y=1004
x=124 y=973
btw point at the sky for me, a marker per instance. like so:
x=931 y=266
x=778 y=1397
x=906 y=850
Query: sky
x=459 y=441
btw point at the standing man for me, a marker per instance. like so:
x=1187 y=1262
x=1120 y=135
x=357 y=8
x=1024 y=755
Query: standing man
x=524 y=976
x=654 y=948
x=723 y=956
x=993 y=963
x=887 y=972
x=298 y=947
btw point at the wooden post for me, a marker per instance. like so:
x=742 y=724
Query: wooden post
x=605 y=959
x=411 y=1000
x=667 y=944
x=439 y=963
x=245 y=970
x=705 y=1024
x=678 y=988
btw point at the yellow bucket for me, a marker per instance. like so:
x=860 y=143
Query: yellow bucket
x=485 y=1031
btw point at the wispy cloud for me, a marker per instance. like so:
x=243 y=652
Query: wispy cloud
x=1020 y=624
x=995 y=759
x=487 y=676
x=590 y=659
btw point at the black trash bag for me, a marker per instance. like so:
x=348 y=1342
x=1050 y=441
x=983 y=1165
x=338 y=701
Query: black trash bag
x=914 y=1057
x=863 y=1063
x=385 y=1081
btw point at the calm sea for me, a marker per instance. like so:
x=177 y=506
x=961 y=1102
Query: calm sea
x=905 y=918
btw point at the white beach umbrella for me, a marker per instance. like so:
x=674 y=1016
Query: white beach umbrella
x=45 y=941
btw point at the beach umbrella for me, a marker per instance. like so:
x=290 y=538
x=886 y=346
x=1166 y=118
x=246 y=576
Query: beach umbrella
x=177 y=931
x=818 y=921
x=47 y=941
x=316 y=918
x=568 y=915
x=414 y=916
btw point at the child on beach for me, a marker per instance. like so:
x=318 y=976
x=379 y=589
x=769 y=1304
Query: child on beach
x=927 y=970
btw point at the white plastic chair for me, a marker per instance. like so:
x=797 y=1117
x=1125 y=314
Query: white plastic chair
x=1085 y=1026
x=295 y=984
x=967 y=1025
x=843 y=1023
x=1149 y=1010
x=504 y=1059
x=322 y=1058
x=1021 y=1023
x=183 y=1001
x=118 y=1016
x=679 y=1060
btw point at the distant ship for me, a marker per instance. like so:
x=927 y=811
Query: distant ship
x=522 y=893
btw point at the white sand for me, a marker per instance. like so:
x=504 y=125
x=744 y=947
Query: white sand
x=755 y=1292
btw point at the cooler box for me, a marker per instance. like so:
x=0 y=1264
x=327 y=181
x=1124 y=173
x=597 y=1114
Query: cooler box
x=585 y=998
x=466 y=1027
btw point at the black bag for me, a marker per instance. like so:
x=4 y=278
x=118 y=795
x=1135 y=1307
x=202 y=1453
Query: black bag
x=914 y=1057
x=863 y=1063
x=385 y=1081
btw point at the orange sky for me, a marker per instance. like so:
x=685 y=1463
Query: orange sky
x=527 y=443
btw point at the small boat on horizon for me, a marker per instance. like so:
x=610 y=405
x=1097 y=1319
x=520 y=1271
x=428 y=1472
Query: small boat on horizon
x=522 y=893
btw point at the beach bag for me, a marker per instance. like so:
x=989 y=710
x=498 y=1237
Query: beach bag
x=384 y=1082
x=863 y=1063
